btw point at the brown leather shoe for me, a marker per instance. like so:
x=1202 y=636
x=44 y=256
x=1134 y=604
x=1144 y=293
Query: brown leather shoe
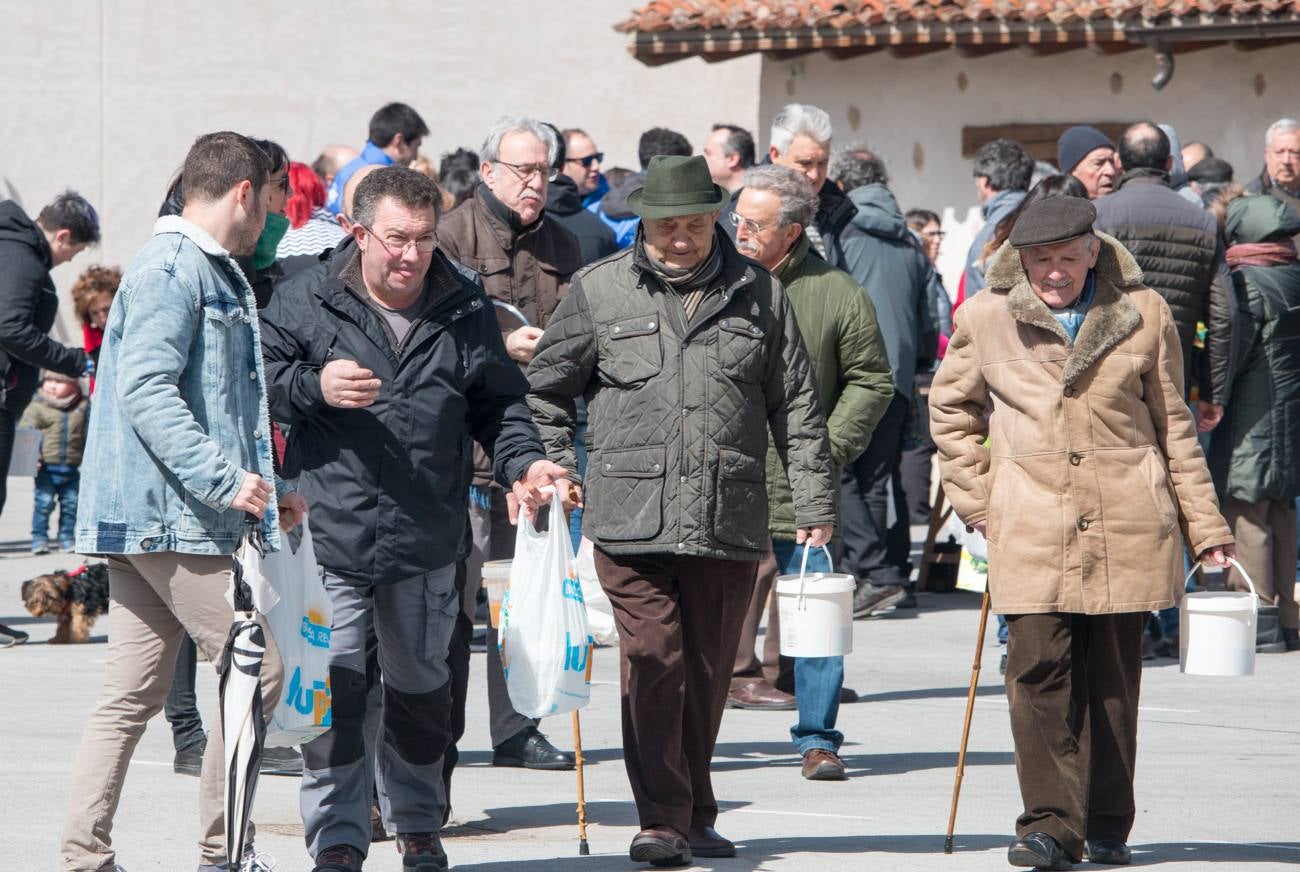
x=759 y=694
x=822 y=765
x=707 y=842
x=660 y=846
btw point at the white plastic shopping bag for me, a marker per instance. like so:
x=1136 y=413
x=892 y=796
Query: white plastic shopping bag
x=600 y=613
x=543 y=634
x=300 y=616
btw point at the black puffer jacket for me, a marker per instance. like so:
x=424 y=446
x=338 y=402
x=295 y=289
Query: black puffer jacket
x=1181 y=255
x=388 y=485
x=28 y=306
x=564 y=207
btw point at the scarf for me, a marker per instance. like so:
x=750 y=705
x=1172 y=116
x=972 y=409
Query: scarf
x=1071 y=317
x=692 y=284
x=1262 y=253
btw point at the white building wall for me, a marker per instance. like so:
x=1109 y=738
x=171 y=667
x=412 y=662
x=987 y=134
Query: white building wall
x=106 y=97
x=912 y=111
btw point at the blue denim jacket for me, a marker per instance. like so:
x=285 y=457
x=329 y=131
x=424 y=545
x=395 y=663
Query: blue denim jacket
x=180 y=409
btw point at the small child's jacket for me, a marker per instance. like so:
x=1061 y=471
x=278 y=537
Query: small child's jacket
x=64 y=428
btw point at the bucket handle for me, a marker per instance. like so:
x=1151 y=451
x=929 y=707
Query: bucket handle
x=803 y=566
x=1233 y=561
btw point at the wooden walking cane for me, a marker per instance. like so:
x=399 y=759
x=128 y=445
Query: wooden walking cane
x=583 y=848
x=965 y=730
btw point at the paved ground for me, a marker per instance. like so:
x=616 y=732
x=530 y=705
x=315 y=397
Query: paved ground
x=1217 y=775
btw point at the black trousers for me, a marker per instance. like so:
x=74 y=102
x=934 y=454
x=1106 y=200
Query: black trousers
x=11 y=410
x=1072 y=684
x=181 y=707
x=874 y=551
x=918 y=454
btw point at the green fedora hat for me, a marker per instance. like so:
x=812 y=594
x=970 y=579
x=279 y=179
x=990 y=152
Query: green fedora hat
x=676 y=185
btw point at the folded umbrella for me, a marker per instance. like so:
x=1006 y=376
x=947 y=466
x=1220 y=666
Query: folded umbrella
x=242 y=725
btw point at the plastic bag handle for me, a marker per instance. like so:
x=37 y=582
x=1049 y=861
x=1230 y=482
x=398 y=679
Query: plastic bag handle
x=1240 y=568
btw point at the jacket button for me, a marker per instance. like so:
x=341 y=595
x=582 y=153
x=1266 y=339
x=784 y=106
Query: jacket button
x=608 y=467
x=253 y=374
x=681 y=546
x=650 y=326
x=257 y=434
x=1076 y=459
x=1069 y=390
x=654 y=468
x=684 y=413
x=1083 y=523
x=618 y=329
x=683 y=479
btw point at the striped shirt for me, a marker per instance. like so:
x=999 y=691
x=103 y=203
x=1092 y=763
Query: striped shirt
x=321 y=233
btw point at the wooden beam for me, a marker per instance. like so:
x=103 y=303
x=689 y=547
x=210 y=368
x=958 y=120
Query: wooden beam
x=911 y=51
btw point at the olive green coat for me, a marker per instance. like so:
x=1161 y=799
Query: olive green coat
x=850 y=366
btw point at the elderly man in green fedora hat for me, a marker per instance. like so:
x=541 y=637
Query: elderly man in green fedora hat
x=687 y=354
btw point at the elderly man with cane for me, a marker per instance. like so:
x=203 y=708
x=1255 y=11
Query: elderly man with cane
x=687 y=354
x=1081 y=479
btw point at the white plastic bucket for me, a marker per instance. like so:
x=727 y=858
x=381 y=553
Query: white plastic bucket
x=496 y=578
x=816 y=612
x=1217 y=630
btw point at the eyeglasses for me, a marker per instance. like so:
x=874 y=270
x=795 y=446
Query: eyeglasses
x=422 y=246
x=283 y=184
x=526 y=172
x=738 y=221
x=934 y=234
x=597 y=157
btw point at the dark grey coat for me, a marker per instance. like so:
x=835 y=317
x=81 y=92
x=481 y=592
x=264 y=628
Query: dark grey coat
x=679 y=414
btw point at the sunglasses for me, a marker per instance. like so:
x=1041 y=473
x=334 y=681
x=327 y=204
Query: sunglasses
x=597 y=157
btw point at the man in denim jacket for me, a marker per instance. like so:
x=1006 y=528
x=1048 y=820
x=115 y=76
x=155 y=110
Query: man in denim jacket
x=179 y=457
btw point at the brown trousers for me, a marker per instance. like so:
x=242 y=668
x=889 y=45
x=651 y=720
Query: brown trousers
x=775 y=668
x=1266 y=546
x=678 y=620
x=1072 y=684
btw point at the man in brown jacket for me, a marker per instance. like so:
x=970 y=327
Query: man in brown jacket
x=1063 y=436
x=525 y=262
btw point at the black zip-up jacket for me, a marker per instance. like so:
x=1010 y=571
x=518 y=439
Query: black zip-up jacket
x=564 y=207
x=28 y=306
x=388 y=485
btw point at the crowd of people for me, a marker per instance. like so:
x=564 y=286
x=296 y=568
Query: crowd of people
x=727 y=367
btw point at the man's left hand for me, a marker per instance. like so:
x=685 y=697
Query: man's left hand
x=293 y=511
x=1218 y=556
x=1208 y=416
x=814 y=537
x=526 y=493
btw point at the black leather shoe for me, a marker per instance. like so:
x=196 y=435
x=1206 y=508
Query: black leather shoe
x=1108 y=852
x=1038 y=851
x=189 y=761
x=708 y=842
x=338 y=858
x=529 y=749
x=660 y=846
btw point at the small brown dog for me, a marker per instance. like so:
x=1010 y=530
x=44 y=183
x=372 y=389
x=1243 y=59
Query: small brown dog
x=77 y=597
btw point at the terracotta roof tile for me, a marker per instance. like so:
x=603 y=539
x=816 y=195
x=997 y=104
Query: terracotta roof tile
x=761 y=15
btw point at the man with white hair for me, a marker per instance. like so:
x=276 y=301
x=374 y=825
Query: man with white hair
x=1281 y=176
x=525 y=261
x=801 y=139
x=851 y=370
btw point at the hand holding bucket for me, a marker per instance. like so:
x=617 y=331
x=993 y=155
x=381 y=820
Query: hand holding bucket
x=1217 y=629
x=816 y=611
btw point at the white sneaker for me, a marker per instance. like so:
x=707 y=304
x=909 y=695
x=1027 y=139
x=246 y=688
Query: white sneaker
x=255 y=861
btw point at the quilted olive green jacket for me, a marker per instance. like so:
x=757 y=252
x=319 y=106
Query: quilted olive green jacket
x=850 y=366
x=678 y=414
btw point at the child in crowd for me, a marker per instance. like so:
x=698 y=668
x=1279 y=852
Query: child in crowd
x=59 y=412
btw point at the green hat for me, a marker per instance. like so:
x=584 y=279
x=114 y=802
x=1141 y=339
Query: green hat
x=676 y=185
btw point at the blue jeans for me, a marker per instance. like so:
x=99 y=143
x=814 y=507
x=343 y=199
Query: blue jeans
x=817 y=680
x=53 y=483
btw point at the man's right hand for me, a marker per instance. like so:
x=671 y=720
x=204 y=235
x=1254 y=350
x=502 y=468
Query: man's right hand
x=345 y=385
x=253 y=496
x=521 y=344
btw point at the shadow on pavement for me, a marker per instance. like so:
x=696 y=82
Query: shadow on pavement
x=933 y=692
x=756 y=853
x=608 y=813
x=1215 y=852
